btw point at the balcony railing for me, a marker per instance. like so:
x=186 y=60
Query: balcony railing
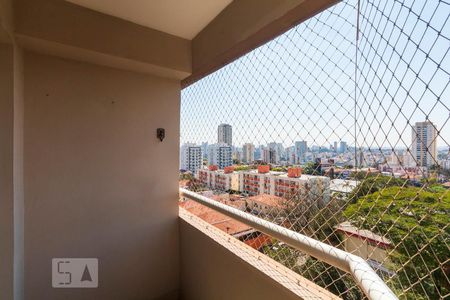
x=365 y=277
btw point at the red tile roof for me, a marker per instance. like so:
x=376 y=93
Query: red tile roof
x=215 y=218
x=229 y=200
x=268 y=200
x=259 y=241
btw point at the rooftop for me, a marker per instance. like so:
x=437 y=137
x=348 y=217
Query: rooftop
x=349 y=229
x=215 y=218
x=267 y=200
x=343 y=185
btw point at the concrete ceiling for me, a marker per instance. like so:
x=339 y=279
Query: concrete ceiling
x=182 y=18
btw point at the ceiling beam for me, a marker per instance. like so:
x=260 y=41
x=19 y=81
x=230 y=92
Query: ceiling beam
x=64 y=29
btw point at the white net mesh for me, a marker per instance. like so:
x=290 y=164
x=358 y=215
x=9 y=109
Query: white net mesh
x=364 y=117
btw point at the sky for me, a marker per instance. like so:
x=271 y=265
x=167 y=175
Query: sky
x=305 y=85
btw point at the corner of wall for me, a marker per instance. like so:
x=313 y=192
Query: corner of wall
x=18 y=176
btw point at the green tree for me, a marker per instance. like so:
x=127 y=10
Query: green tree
x=242 y=168
x=333 y=279
x=416 y=220
x=312 y=168
x=371 y=183
x=280 y=169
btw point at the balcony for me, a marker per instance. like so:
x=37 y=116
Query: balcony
x=230 y=269
x=365 y=277
x=96 y=98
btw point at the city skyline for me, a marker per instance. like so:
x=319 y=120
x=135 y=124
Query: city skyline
x=329 y=145
x=421 y=153
x=294 y=88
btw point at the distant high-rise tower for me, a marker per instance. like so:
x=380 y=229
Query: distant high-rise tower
x=275 y=148
x=205 y=149
x=191 y=157
x=343 y=147
x=290 y=155
x=269 y=156
x=220 y=155
x=248 y=153
x=300 y=150
x=359 y=159
x=423 y=148
x=224 y=134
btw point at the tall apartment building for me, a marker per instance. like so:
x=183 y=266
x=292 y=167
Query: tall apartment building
x=290 y=155
x=191 y=157
x=259 y=152
x=281 y=151
x=300 y=151
x=423 y=146
x=225 y=134
x=277 y=148
x=220 y=155
x=205 y=149
x=248 y=153
x=270 y=156
x=343 y=147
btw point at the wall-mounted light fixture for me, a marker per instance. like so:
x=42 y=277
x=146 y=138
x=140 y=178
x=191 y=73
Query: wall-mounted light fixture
x=160 y=133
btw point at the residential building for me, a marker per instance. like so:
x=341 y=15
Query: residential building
x=219 y=179
x=266 y=204
x=343 y=147
x=270 y=156
x=281 y=151
x=423 y=146
x=394 y=159
x=408 y=160
x=262 y=181
x=259 y=152
x=314 y=188
x=237 y=154
x=290 y=155
x=205 y=149
x=366 y=244
x=248 y=153
x=301 y=148
x=225 y=134
x=277 y=150
x=344 y=186
x=220 y=155
x=191 y=158
x=445 y=164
